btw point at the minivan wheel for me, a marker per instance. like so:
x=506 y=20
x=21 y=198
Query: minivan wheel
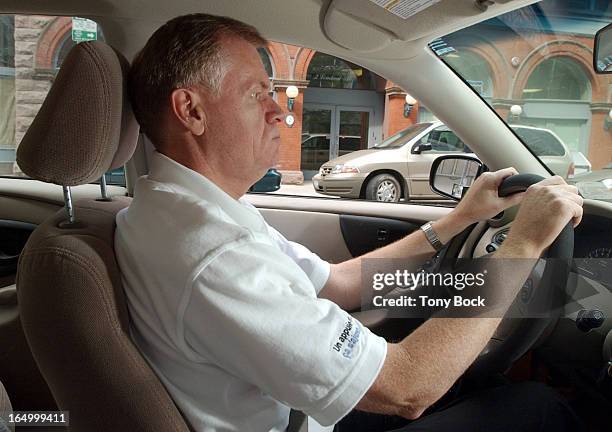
x=383 y=187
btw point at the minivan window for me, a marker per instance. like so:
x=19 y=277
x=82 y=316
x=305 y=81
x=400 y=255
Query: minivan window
x=541 y=142
x=443 y=139
x=403 y=136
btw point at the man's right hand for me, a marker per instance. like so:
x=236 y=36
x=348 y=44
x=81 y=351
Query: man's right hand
x=546 y=208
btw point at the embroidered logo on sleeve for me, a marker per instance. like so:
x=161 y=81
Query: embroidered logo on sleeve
x=348 y=339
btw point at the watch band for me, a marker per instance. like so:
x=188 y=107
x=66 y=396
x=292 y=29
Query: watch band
x=432 y=236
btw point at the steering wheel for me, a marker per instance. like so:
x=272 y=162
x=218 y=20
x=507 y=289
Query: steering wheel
x=523 y=333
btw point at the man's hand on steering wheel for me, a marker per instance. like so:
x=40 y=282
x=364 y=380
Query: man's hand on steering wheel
x=546 y=208
x=482 y=200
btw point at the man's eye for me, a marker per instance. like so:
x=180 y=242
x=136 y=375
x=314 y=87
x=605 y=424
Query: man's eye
x=261 y=95
x=256 y=95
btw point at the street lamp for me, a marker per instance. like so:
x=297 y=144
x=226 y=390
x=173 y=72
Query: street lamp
x=408 y=104
x=291 y=92
x=516 y=111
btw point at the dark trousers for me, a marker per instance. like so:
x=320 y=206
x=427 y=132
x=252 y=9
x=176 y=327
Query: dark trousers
x=516 y=407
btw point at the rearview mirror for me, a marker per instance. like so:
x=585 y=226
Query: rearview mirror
x=602 y=56
x=269 y=183
x=452 y=176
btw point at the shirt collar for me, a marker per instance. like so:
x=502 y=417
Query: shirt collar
x=166 y=170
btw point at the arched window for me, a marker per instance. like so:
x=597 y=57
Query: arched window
x=7 y=41
x=7 y=93
x=474 y=69
x=558 y=78
x=63 y=48
x=266 y=60
x=332 y=72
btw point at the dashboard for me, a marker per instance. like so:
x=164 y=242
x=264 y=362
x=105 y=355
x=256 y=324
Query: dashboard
x=593 y=238
x=589 y=284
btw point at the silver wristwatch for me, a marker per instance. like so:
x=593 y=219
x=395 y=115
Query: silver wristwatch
x=432 y=236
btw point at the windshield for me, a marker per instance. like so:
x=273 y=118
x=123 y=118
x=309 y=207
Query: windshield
x=533 y=66
x=403 y=136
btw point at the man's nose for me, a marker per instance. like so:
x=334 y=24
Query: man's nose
x=275 y=114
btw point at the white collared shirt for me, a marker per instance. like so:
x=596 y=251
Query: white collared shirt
x=225 y=309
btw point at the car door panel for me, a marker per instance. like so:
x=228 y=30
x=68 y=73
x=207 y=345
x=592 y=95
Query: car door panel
x=26 y=210
x=363 y=234
x=18 y=371
x=319 y=232
x=419 y=168
x=13 y=236
x=317 y=223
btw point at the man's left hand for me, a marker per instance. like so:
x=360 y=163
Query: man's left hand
x=482 y=200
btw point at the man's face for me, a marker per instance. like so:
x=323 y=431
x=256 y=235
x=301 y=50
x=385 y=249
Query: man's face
x=242 y=122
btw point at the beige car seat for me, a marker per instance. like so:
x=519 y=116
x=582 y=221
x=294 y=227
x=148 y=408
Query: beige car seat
x=71 y=302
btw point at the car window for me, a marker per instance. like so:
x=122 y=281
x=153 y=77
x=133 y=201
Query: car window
x=542 y=142
x=342 y=117
x=403 y=136
x=534 y=67
x=443 y=139
x=32 y=49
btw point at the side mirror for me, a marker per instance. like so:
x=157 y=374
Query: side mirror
x=602 y=54
x=419 y=148
x=452 y=176
x=269 y=183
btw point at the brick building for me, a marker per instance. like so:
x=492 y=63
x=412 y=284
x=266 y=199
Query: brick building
x=342 y=107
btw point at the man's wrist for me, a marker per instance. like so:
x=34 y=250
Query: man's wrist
x=449 y=226
x=516 y=248
x=461 y=219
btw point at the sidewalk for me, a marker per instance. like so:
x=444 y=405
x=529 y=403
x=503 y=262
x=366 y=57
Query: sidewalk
x=306 y=189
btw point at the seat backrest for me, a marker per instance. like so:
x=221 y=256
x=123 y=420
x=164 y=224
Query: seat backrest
x=5 y=410
x=72 y=305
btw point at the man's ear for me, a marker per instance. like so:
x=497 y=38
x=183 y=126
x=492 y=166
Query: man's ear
x=187 y=107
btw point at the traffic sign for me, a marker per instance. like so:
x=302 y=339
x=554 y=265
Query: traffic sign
x=84 y=29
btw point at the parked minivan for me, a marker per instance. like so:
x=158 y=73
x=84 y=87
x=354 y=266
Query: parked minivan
x=398 y=168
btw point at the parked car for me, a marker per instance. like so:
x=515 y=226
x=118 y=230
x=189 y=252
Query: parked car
x=582 y=165
x=398 y=168
x=270 y=182
x=595 y=185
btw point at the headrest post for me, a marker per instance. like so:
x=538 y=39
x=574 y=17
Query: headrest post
x=104 y=195
x=68 y=203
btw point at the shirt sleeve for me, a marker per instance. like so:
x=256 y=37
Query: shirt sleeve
x=315 y=268
x=252 y=314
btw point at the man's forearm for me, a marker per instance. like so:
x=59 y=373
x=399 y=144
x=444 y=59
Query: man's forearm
x=423 y=366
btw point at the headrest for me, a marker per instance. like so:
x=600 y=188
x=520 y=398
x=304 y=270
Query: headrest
x=85 y=126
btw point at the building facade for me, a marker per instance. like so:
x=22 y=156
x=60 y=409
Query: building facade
x=343 y=107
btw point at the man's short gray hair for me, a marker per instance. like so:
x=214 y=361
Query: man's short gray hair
x=184 y=52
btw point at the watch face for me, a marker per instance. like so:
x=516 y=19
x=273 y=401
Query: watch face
x=289 y=120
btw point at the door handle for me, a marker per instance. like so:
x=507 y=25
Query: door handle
x=382 y=234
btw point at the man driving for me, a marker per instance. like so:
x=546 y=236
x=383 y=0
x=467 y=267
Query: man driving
x=238 y=322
